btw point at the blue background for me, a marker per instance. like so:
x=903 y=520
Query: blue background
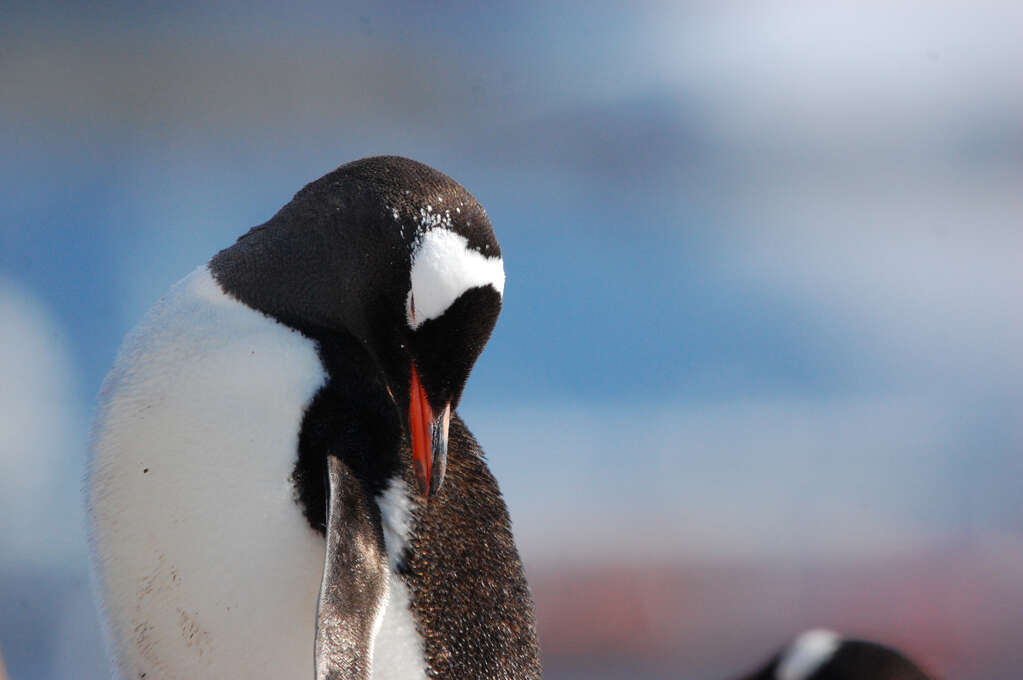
x=763 y=295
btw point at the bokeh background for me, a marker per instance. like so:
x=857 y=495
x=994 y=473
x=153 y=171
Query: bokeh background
x=760 y=362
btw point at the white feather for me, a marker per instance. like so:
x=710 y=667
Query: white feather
x=399 y=647
x=444 y=267
x=807 y=653
x=205 y=563
x=396 y=517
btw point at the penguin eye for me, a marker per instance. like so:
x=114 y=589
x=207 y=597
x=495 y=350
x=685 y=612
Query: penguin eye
x=443 y=268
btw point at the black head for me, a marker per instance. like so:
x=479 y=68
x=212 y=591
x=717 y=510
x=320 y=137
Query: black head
x=390 y=258
x=393 y=269
x=823 y=655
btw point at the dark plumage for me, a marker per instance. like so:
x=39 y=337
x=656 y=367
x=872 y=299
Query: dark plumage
x=470 y=595
x=849 y=660
x=334 y=265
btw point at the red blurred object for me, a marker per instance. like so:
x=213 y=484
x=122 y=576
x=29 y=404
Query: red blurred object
x=958 y=611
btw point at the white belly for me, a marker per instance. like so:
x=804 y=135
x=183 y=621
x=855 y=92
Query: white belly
x=205 y=564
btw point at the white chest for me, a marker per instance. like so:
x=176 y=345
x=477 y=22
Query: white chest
x=398 y=651
x=205 y=564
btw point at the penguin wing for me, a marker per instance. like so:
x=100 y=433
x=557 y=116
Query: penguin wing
x=354 y=590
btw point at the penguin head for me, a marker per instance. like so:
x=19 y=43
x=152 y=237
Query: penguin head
x=436 y=302
x=451 y=307
x=400 y=259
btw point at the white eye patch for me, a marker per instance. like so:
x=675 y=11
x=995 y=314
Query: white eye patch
x=444 y=267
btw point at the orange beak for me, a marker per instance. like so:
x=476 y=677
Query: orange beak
x=429 y=436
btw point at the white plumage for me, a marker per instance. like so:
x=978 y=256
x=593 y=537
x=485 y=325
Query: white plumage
x=807 y=653
x=207 y=567
x=444 y=267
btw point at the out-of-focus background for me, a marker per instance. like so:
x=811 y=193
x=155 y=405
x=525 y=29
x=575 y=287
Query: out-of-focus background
x=760 y=365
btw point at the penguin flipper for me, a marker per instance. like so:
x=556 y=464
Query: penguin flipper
x=354 y=590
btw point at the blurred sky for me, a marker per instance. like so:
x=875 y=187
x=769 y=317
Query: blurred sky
x=764 y=262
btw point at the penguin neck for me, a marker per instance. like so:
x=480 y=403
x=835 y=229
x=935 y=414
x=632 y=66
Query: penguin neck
x=352 y=417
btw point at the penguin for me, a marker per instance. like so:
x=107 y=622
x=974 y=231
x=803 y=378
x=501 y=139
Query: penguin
x=821 y=654
x=280 y=484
